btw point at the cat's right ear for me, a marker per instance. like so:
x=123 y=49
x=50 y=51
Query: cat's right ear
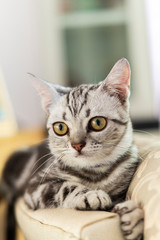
x=47 y=92
x=118 y=80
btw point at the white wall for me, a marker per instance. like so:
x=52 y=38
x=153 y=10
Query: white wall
x=153 y=24
x=20 y=53
x=29 y=42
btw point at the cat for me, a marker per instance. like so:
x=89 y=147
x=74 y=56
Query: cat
x=89 y=159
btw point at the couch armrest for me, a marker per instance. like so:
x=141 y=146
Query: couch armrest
x=63 y=224
x=145 y=186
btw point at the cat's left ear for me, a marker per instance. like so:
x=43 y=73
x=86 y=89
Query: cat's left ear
x=50 y=93
x=118 y=80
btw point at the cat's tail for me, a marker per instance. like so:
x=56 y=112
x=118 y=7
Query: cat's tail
x=1 y=192
x=10 y=221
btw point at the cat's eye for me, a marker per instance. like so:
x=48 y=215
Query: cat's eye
x=60 y=128
x=97 y=123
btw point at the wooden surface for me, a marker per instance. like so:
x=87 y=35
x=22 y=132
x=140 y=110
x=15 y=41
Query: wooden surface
x=7 y=146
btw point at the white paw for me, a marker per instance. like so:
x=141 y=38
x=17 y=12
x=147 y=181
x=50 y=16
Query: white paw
x=98 y=199
x=93 y=200
x=29 y=201
x=88 y=200
x=132 y=219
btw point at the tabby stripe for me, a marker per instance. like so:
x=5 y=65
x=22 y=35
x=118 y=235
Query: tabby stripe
x=48 y=195
x=74 y=172
x=88 y=111
x=90 y=175
x=123 y=158
x=100 y=204
x=124 y=179
x=74 y=106
x=71 y=110
x=84 y=102
x=68 y=100
x=32 y=187
x=81 y=192
x=87 y=204
x=64 y=116
x=73 y=188
x=66 y=191
x=119 y=122
x=122 y=136
x=119 y=196
x=94 y=87
x=54 y=180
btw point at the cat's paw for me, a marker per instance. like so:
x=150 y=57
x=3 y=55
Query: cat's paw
x=93 y=200
x=29 y=201
x=32 y=201
x=131 y=220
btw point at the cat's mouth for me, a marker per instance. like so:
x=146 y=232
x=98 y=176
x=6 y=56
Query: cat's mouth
x=79 y=154
x=83 y=154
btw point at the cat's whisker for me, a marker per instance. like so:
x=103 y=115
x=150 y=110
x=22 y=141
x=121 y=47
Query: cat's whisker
x=41 y=165
x=45 y=173
x=37 y=161
x=48 y=170
x=142 y=131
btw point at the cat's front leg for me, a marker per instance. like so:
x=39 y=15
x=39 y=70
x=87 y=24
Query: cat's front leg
x=59 y=193
x=81 y=198
x=41 y=194
x=131 y=220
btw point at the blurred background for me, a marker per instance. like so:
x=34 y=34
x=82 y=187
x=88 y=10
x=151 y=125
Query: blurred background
x=78 y=41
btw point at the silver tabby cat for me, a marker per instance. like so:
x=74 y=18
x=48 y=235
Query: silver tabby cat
x=91 y=157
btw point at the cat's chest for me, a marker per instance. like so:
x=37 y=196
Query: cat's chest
x=92 y=181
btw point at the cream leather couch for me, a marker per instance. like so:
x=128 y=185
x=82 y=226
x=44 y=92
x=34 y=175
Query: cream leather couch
x=65 y=224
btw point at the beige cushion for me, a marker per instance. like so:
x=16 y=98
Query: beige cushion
x=63 y=224
x=145 y=187
x=57 y=224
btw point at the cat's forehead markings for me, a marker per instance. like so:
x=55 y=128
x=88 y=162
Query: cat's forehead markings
x=64 y=116
x=77 y=98
x=88 y=111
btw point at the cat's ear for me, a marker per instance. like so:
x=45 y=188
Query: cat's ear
x=49 y=92
x=118 y=80
x=61 y=90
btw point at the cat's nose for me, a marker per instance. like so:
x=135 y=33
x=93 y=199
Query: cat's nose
x=78 y=146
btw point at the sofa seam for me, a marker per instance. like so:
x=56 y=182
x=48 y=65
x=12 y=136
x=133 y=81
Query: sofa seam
x=93 y=222
x=50 y=225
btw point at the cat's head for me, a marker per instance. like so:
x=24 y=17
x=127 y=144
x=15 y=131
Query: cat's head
x=89 y=125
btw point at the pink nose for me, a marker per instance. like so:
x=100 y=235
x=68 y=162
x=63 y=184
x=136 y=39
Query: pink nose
x=78 y=146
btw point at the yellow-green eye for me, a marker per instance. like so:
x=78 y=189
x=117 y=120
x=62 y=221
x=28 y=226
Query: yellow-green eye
x=97 y=123
x=60 y=128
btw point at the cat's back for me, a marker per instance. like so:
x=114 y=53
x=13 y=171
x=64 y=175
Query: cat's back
x=21 y=165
